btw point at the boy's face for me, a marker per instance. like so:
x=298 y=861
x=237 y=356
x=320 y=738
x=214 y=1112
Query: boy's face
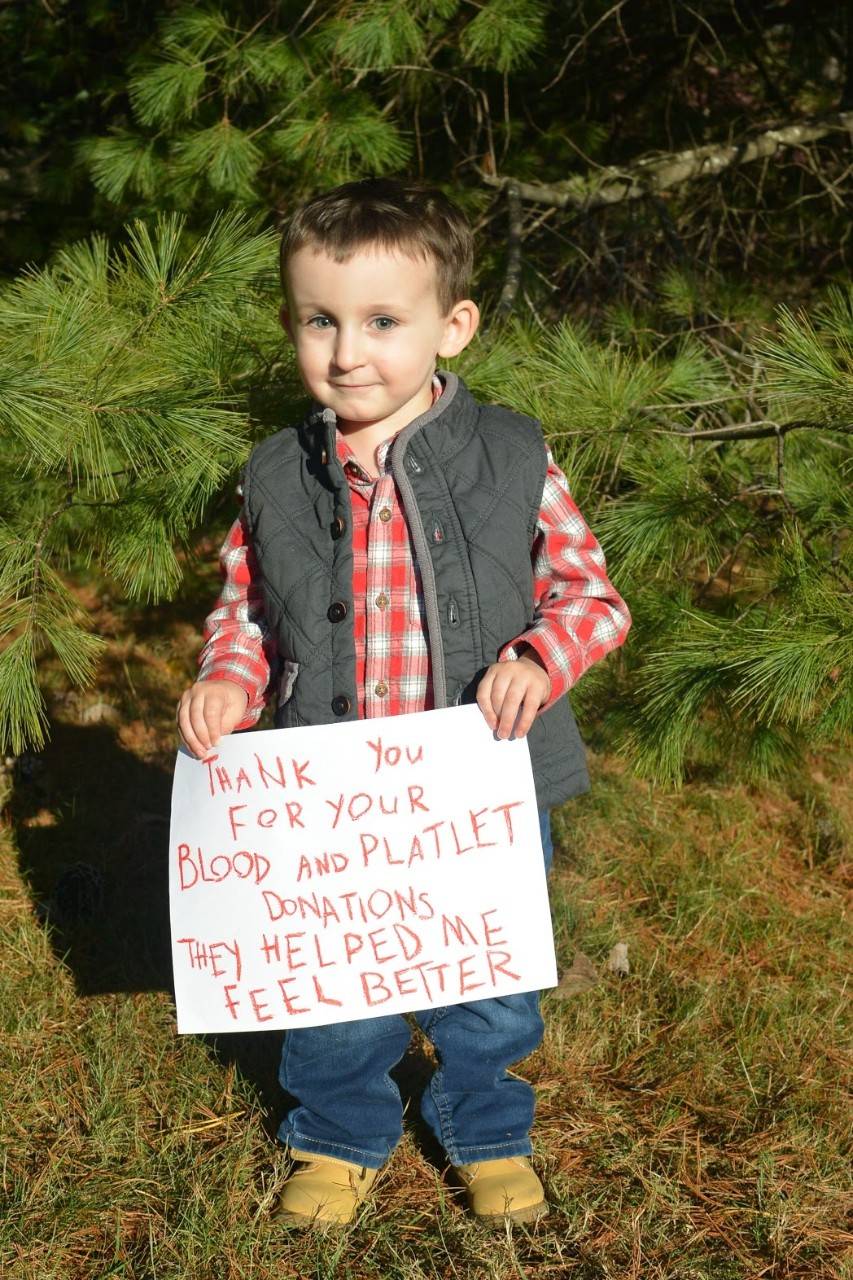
x=367 y=332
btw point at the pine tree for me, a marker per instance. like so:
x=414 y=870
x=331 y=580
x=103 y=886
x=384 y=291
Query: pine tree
x=731 y=540
x=125 y=388
x=221 y=105
x=705 y=433
x=122 y=411
x=587 y=107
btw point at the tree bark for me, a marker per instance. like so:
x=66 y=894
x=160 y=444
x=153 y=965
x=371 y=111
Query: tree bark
x=652 y=174
x=513 y=262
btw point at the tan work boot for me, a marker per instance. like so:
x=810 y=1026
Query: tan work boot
x=503 y=1189
x=322 y=1189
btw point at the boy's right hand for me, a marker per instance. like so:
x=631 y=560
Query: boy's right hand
x=208 y=710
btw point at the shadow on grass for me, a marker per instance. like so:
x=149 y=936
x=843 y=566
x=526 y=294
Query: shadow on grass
x=92 y=824
x=93 y=832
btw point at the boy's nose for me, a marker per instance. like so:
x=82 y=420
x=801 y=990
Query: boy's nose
x=349 y=349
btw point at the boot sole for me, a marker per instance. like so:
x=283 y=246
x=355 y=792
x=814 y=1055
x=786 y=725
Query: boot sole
x=531 y=1213
x=310 y=1222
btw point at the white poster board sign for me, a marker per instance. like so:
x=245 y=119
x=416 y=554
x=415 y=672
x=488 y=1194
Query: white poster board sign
x=336 y=872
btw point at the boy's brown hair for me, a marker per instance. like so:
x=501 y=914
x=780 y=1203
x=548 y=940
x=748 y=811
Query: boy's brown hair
x=417 y=220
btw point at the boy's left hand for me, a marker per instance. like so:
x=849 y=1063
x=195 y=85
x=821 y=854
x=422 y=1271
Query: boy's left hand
x=515 y=689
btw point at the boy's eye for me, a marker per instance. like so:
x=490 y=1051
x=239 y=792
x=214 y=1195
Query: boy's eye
x=319 y=322
x=384 y=322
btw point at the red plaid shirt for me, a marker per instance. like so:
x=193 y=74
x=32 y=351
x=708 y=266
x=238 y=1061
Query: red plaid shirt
x=579 y=617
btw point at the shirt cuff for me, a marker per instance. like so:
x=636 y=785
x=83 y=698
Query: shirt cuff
x=560 y=677
x=256 y=703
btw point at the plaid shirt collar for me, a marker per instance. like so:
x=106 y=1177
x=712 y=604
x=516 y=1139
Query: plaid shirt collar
x=355 y=471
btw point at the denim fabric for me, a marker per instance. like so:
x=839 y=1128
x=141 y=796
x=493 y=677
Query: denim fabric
x=350 y=1107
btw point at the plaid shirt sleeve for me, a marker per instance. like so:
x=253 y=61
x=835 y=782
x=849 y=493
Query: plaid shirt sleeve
x=579 y=616
x=239 y=645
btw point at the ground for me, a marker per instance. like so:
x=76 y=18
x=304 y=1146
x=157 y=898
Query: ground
x=691 y=1116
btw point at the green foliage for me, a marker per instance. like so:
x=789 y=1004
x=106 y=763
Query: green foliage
x=522 y=87
x=224 y=154
x=352 y=139
x=199 y=29
x=270 y=65
x=125 y=379
x=681 y=294
x=505 y=34
x=741 y=650
x=220 y=106
x=377 y=35
x=126 y=372
x=811 y=368
x=122 y=164
x=161 y=91
x=120 y=419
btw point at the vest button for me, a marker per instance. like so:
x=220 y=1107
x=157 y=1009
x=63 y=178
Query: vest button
x=337 y=612
x=338 y=527
x=385 y=515
x=341 y=704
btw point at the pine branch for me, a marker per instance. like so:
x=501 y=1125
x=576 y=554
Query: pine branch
x=119 y=420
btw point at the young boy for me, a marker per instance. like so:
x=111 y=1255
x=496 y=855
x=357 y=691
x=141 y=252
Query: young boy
x=404 y=548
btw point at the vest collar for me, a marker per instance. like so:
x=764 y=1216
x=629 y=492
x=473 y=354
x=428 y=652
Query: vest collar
x=322 y=422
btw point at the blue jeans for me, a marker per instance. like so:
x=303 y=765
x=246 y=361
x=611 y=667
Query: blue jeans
x=350 y=1107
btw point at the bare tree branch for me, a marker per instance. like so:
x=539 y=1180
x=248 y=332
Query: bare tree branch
x=652 y=174
x=753 y=430
x=512 y=278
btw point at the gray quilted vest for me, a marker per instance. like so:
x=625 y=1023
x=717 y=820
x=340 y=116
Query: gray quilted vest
x=470 y=479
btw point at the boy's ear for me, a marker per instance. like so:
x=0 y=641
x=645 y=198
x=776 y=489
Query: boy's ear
x=284 y=317
x=460 y=327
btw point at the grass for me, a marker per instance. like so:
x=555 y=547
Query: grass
x=692 y=1120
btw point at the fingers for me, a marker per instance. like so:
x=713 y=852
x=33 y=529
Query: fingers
x=185 y=726
x=510 y=695
x=508 y=711
x=527 y=713
x=207 y=711
x=484 y=698
x=200 y=709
